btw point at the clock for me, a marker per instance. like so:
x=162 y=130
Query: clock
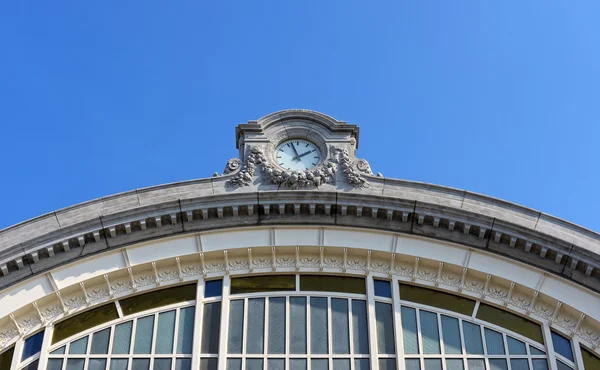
x=297 y=155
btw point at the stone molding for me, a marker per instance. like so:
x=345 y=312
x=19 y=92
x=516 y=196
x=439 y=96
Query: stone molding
x=457 y=279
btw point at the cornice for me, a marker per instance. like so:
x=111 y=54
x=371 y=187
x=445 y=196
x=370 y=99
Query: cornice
x=35 y=246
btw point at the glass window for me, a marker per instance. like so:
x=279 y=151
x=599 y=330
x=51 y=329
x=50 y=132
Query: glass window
x=516 y=347
x=32 y=345
x=34 y=366
x=255 y=326
x=383 y=288
x=143 y=335
x=498 y=364
x=437 y=299
x=213 y=288
x=211 y=320
x=122 y=339
x=340 y=325
x=341 y=364
x=510 y=321
x=276 y=364
x=53 y=364
x=297 y=325
x=409 y=331
x=318 y=325
x=539 y=364
x=387 y=364
x=454 y=364
x=385 y=328
x=297 y=364
x=98 y=364
x=562 y=346
x=326 y=283
x=159 y=298
x=84 y=321
x=519 y=364
x=433 y=364
x=562 y=366
x=269 y=283
x=451 y=333
x=6 y=358
x=79 y=346
x=277 y=325
x=413 y=364
x=165 y=333
x=429 y=333
x=254 y=364
x=473 y=343
x=590 y=360
x=236 y=326
x=100 y=342
x=359 y=327
x=494 y=342
x=476 y=364
x=185 y=335
x=362 y=364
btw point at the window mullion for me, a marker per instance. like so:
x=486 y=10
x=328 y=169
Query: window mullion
x=224 y=332
x=17 y=354
x=198 y=325
x=552 y=365
x=372 y=322
x=46 y=342
x=577 y=353
x=398 y=324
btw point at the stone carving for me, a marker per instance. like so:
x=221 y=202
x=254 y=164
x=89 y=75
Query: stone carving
x=567 y=322
x=520 y=301
x=380 y=266
x=286 y=261
x=215 y=266
x=332 y=262
x=29 y=323
x=52 y=312
x=309 y=262
x=246 y=173
x=144 y=280
x=168 y=275
x=474 y=286
x=403 y=270
x=7 y=335
x=543 y=311
x=322 y=174
x=356 y=264
x=497 y=292
x=191 y=270
x=451 y=280
x=97 y=294
x=75 y=302
x=121 y=286
x=427 y=274
x=588 y=334
x=262 y=263
x=238 y=265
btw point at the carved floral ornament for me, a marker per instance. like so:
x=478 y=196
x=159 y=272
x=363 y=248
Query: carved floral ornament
x=324 y=173
x=324 y=259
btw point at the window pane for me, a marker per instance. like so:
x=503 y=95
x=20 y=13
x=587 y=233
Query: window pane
x=60 y=351
x=494 y=342
x=473 y=342
x=451 y=335
x=562 y=346
x=165 y=333
x=318 y=325
x=433 y=364
x=143 y=335
x=119 y=364
x=341 y=364
x=535 y=351
x=359 y=327
x=211 y=322
x=276 y=325
x=519 y=364
x=234 y=364
x=475 y=364
x=100 y=342
x=409 y=331
x=297 y=364
x=562 y=366
x=183 y=364
x=122 y=339
x=208 y=364
x=159 y=298
x=413 y=364
x=97 y=364
x=387 y=364
x=32 y=345
x=255 y=341
x=140 y=364
x=516 y=347
x=236 y=326
x=511 y=322
x=78 y=347
x=590 y=360
x=276 y=364
x=361 y=364
x=255 y=284
x=383 y=288
x=84 y=321
x=298 y=325
x=340 y=326
x=319 y=364
x=213 y=288
x=324 y=283
x=455 y=364
x=540 y=364
x=498 y=364
x=429 y=333
x=385 y=328
x=74 y=364
x=254 y=364
x=53 y=364
x=185 y=336
x=162 y=364
x=32 y=366
x=434 y=298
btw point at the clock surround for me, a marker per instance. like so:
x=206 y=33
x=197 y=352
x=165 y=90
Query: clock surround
x=297 y=155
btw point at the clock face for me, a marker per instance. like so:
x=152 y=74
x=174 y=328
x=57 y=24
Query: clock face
x=297 y=155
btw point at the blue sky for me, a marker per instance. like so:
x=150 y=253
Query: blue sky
x=496 y=97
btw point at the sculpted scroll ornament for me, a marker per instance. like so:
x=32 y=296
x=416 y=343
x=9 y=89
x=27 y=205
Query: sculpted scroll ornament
x=323 y=174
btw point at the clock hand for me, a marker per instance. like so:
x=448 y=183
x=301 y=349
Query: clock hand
x=301 y=155
x=295 y=151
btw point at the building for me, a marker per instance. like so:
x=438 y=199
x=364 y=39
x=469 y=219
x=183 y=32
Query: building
x=298 y=257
